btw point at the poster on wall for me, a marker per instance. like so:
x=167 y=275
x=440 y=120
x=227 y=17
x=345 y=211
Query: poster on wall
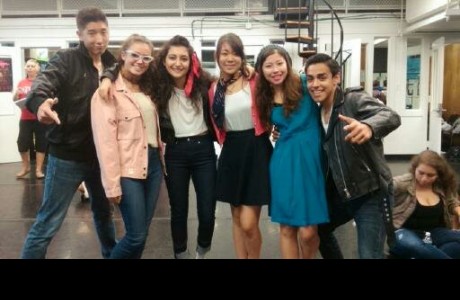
x=6 y=75
x=6 y=86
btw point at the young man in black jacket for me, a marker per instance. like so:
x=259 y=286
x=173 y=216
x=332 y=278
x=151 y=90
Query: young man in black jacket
x=61 y=97
x=357 y=176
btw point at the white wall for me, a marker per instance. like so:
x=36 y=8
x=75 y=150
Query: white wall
x=9 y=130
x=9 y=112
x=419 y=9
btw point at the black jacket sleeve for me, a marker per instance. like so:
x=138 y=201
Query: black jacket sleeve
x=111 y=73
x=377 y=115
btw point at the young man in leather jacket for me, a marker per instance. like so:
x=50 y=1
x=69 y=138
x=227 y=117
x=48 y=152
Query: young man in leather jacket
x=72 y=76
x=357 y=175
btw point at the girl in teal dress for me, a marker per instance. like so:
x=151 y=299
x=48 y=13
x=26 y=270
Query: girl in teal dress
x=296 y=175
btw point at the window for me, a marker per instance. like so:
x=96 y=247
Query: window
x=414 y=47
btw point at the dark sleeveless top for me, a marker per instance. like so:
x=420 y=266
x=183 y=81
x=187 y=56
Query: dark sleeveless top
x=426 y=218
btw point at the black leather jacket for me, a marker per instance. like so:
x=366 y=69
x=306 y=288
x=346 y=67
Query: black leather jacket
x=355 y=169
x=72 y=78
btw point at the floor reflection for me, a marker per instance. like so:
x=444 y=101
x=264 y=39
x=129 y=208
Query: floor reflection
x=20 y=200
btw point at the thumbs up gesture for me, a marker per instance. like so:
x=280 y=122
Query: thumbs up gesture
x=358 y=133
x=46 y=114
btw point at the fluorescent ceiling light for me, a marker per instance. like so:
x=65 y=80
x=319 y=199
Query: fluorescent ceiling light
x=452 y=12
x=378 y=41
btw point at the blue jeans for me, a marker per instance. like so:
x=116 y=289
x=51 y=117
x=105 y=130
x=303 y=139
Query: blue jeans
x=193 y=158
x=368 y=216
x=409 y=244
x=370 y=227
x=367 y=213
x=61 y=182
x=137 y=207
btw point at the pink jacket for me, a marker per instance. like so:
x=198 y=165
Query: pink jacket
x=220 y=133
x=120 y=138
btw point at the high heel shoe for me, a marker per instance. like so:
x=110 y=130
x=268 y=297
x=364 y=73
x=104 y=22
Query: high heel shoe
x=39 y=175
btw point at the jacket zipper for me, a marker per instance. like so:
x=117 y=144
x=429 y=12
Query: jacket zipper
x=358 y=155
x=347 y=193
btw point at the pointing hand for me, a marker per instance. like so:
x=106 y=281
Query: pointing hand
x=46 y=114
x=358 y=133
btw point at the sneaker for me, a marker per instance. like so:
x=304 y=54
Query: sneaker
x=182 y=255
x=201 y=252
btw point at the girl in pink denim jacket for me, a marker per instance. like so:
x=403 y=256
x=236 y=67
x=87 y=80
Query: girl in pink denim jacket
x=128 y=144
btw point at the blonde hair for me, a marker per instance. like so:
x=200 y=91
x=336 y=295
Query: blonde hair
x=35 y=62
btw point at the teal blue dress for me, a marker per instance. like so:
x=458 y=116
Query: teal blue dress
x=296 y=174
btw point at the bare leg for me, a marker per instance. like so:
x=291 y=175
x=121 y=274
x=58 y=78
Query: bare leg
x=246 y=234
x=25 y=164
x=249 y=219
x=238 y=235
x=309 y=241
x=288 y=242
x=40 y=157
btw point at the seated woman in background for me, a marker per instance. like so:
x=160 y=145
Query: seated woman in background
x=426 y=209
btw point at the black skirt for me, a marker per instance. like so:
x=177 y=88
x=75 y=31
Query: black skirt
x=243 y=169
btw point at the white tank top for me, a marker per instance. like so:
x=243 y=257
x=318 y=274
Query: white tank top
x=238 y=110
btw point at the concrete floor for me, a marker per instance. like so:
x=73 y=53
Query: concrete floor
x=20 y=200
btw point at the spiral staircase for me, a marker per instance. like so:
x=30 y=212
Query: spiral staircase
x=299 y=18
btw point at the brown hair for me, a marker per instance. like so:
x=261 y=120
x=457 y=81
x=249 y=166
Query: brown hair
x=145 y=82
x=90 y=14
x=446 y=176
x=264 y=91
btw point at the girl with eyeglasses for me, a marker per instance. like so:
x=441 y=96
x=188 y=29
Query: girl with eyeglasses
x=126 y=133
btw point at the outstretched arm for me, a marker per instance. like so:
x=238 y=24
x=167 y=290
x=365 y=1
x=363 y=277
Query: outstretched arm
x=379 y=117
x=357 y=132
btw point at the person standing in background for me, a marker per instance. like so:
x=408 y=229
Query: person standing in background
x=122 y=127
x=242 y=173
x=298 y=201
x=31 y=132
x=61 y=96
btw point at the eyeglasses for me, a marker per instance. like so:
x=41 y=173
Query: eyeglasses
x=133 y=55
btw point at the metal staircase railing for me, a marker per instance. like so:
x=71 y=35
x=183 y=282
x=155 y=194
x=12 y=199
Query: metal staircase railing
x=298 y=16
